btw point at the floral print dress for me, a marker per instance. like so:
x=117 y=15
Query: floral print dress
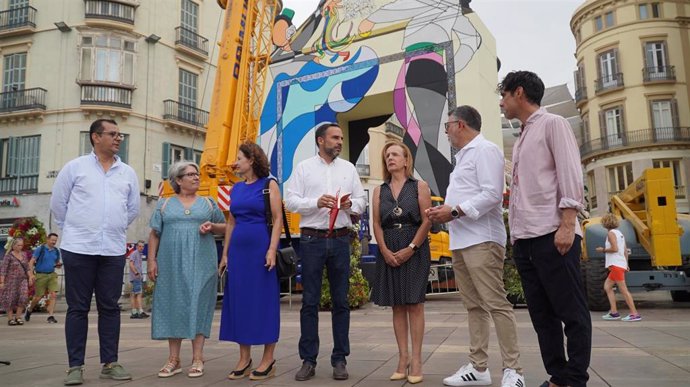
x=16 y=290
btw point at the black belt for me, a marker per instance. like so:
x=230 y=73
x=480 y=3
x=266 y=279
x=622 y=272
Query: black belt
x=401 y=225
x=338 y=232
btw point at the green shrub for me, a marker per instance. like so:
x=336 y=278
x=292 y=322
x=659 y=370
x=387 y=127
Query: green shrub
x=358 y=293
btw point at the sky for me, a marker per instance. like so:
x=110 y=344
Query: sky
x=530 y=34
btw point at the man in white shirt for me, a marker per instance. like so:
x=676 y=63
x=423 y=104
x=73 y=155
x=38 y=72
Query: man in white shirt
x=315 y=188
x=473 y=210
x=95 y=198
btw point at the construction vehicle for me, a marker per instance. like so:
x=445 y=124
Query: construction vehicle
x=439 y=238
x=658 y=239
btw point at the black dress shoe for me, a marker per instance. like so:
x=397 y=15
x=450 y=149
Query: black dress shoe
x=239 y=374
x=307 y=372
x=265 y=374
x=339 y=371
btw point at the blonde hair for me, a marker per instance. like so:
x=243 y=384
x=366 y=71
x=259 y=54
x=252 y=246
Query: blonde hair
x=406 y=153
x=14 y=242
x=610 y=221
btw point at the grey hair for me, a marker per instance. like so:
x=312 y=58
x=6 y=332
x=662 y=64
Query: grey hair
x=14 y=242
x=177 y=170
x=468 y=114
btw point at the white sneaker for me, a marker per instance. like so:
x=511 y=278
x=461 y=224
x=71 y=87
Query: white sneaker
x=467 y=375
x=512 y=379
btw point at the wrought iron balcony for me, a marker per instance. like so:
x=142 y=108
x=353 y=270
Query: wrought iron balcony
x=636 y=138
x=363 y=169
x=659 y=73
x=609 y=82
x=111 y=10
x=680 y=191
x=187 y=114
x=17 y=18
x=190 y=39
x=580 y=94
x=394 y=129
x=27 y=99
x=106 y=95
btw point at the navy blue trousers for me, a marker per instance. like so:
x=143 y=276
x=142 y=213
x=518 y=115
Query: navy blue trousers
x=334 y=254
x=84 y=276
x=556 y=299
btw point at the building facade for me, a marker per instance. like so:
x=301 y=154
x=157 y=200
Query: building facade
x=632 y=89
x=149 y=65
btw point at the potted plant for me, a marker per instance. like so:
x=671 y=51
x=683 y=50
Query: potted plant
x=511 y=278
x=358 y=295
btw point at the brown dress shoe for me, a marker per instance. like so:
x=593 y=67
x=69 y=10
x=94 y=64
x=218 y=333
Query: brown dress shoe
x=339 y=371
x=306 y=372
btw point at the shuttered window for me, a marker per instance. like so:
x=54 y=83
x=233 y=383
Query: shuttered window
x=172 y=153
x=20 y=164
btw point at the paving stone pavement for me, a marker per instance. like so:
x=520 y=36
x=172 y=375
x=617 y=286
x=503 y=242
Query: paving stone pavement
x=653 y=352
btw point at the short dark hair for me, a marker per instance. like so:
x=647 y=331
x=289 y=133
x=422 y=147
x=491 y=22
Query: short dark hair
x=97 y=127
x=321 y=130
x=52 y=234
x=529 y=81
x=253 y=152
x=468 y=114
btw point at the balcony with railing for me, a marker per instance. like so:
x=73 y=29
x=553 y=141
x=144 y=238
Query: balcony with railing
x=190 y=42
x=27 y=99
x=391 y=128
x=580 y=94
x=17 y=21
x=364 y=170
x=14 y=185
x=659 y=74
x=179 y=114
x=636 y=138
x=103 y=95
x=680 y=191
x=609 y=82
x=109 y=13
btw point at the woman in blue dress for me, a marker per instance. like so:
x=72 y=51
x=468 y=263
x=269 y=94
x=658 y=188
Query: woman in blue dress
x=182 y=261
x=251 y=305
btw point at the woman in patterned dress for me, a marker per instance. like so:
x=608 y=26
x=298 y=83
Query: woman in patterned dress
x=402 y=265
x=15 y=278
x=182 y=260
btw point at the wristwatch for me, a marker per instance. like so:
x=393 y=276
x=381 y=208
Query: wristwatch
x=413 y=246
x=455 y=213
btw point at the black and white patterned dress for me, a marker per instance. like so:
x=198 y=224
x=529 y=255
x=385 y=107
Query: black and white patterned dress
x=405 y=284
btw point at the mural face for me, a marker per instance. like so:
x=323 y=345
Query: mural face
x=318 y=73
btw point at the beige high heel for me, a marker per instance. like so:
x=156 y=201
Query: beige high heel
x=414 y=379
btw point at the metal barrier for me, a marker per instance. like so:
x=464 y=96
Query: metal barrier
x=441 y=280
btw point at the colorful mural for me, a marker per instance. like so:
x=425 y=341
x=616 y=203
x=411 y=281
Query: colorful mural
x=330 y=64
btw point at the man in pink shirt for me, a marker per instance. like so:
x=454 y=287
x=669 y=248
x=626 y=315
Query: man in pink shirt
x=546 y=194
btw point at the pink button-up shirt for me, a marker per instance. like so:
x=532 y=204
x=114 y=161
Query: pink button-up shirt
x=547 y=177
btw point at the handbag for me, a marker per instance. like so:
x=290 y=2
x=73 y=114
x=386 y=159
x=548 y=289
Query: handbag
x=286 y=257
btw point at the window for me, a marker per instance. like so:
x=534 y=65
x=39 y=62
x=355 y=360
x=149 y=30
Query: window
x=664 y=119
x=613 y=131
x=14 y=72
x=586 y=136
x=108 y=58
x=13 y=79
x=655 y=57
x=643 y=11
x=620 y=177
x=172 y=153
x=189 y=22
x=86 y=148
x=608 y=70
x=19 y=164
x=598 y=23
x=188 y=89
x=676 y=165
x=591 y=190
x=656 y=11
x=609 y=19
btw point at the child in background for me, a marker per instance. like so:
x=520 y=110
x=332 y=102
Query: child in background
x=617 y=263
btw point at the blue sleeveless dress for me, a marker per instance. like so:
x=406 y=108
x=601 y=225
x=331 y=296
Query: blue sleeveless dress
x=251 y=304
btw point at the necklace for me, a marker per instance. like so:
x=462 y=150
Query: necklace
x=397 y=211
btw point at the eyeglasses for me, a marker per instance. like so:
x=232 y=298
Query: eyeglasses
x=190 y=174
x=447 y=124
x=116 y=135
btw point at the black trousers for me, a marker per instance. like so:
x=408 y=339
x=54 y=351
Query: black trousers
x=556 y=298
x=84 y=276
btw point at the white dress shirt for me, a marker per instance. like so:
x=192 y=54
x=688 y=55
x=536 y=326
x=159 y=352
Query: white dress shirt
x=93 y=208
x=476 y=185
x=313 y=178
